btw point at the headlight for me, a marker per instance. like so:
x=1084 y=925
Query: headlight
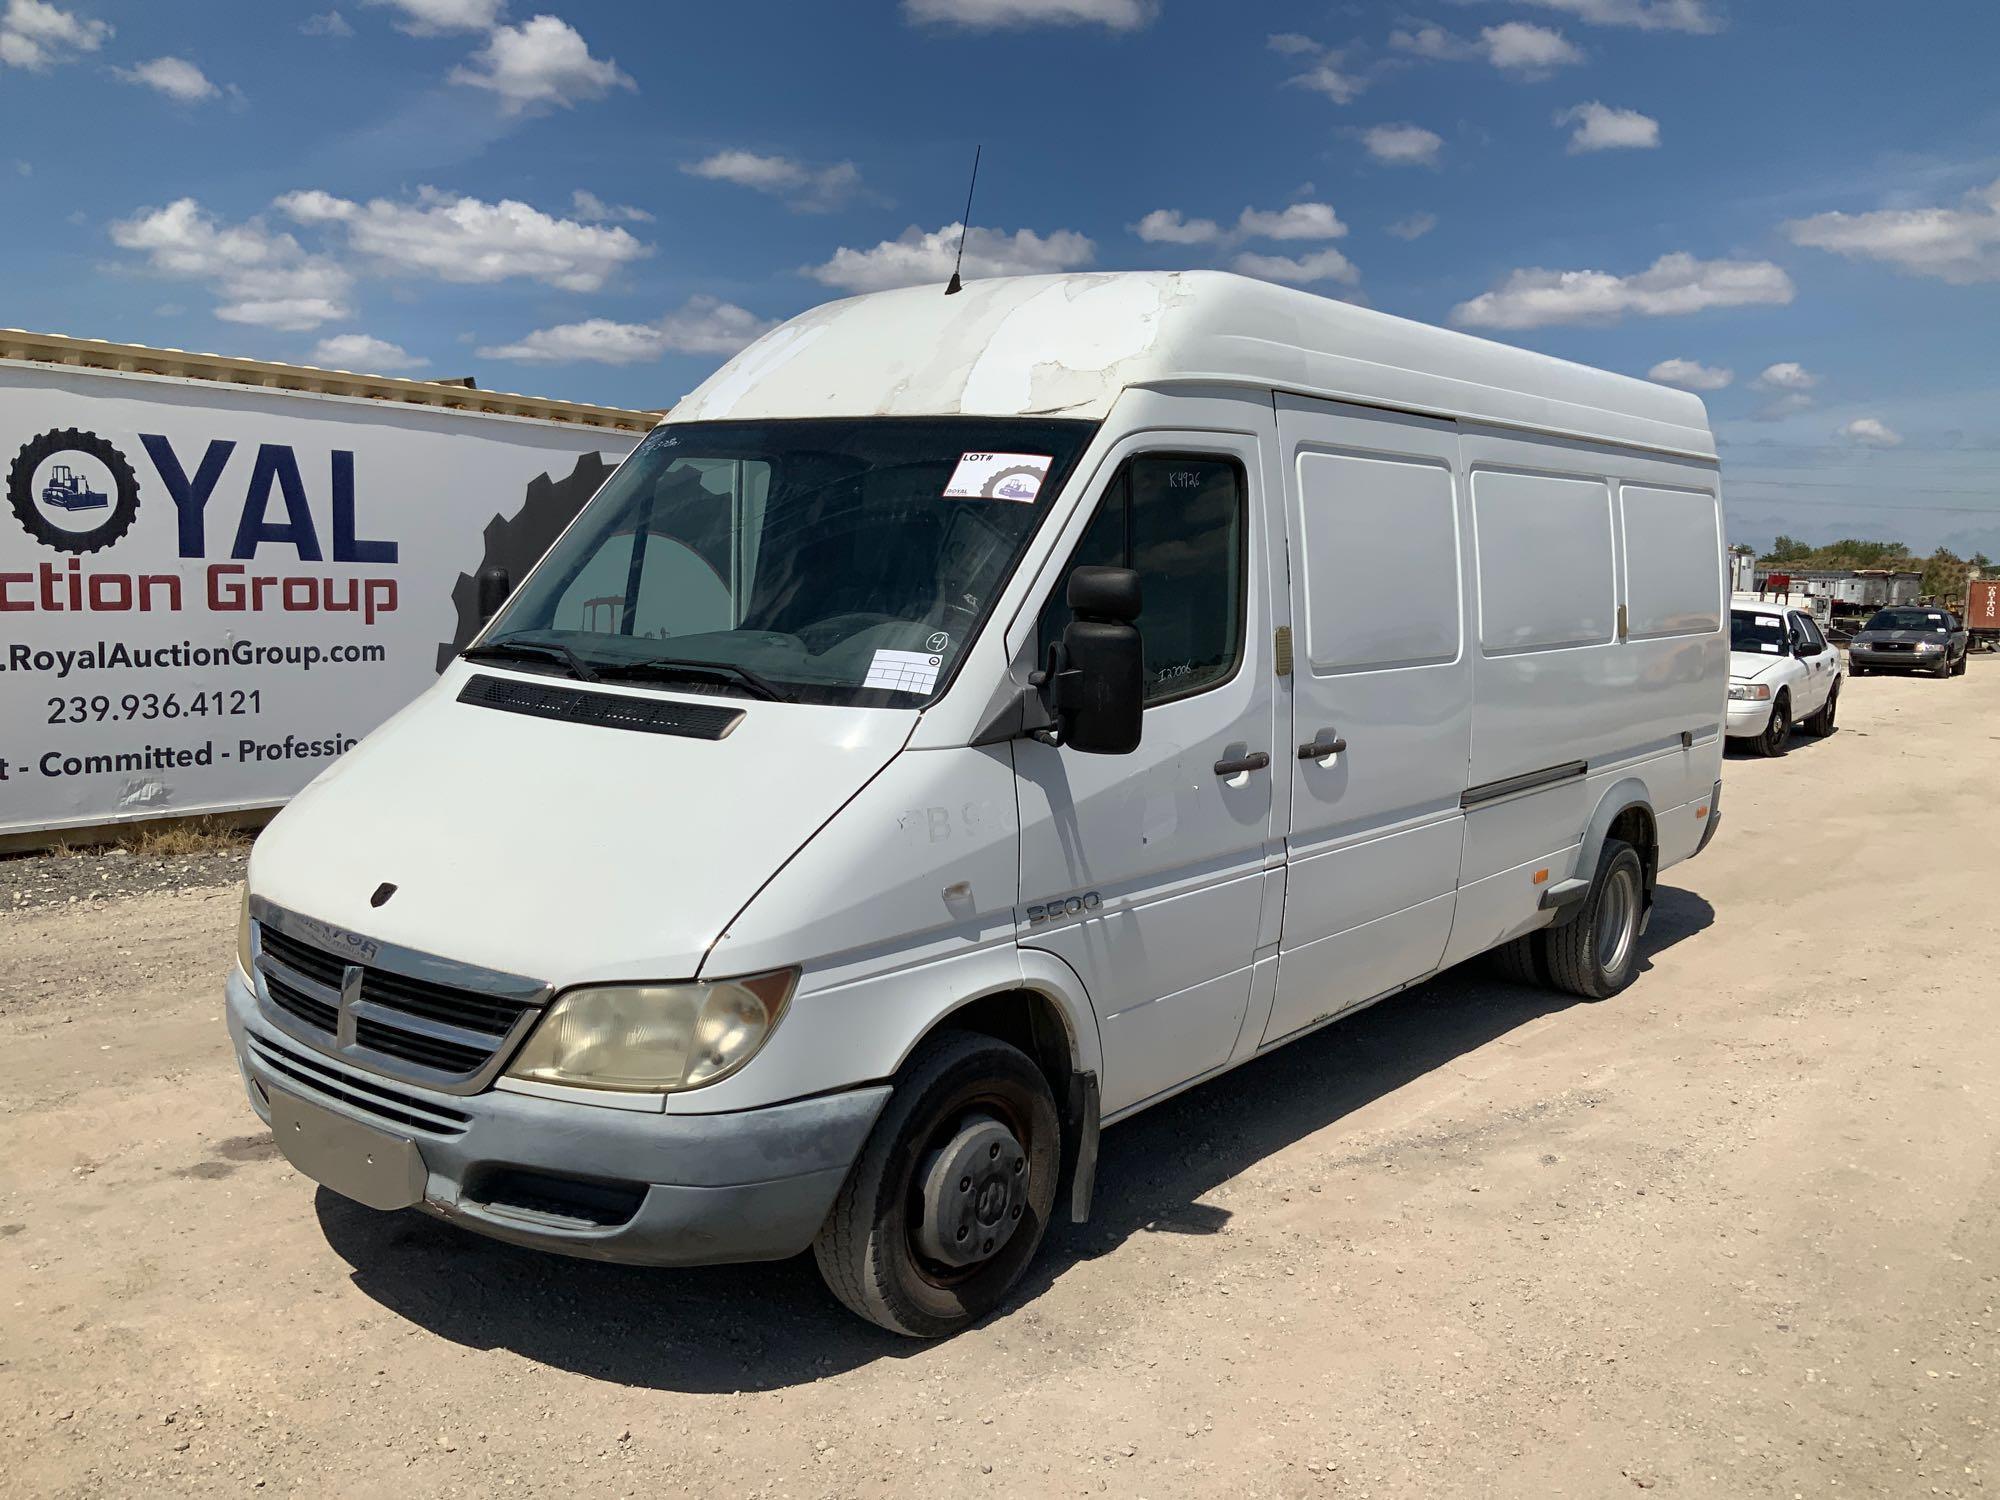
x=654 y=1038
x=246 y=958
x=1750 y=692
x=1930 y=645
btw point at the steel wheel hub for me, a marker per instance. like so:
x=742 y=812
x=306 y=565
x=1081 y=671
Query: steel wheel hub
x=974 y=1190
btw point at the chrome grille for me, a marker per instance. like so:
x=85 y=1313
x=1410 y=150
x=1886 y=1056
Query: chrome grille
x=390 y=1010
x=388 y=1105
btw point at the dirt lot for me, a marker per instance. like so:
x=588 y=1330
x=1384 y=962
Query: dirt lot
x=1736 y=1232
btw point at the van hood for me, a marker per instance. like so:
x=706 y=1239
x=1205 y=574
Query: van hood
x=564 y=852
x=1748 y=666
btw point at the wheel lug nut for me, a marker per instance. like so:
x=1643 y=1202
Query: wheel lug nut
x=1016 y=1213
x=961 y=1231
x=993 y=1150
x=965 y=1184
x=988 y=1248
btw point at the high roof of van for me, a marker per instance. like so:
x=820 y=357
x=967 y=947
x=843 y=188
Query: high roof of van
x=1067 y=345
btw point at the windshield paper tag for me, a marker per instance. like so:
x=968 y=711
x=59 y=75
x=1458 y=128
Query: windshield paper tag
x=998 y=476
x=904 y=671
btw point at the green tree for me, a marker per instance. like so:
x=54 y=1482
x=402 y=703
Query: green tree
x=1944 y=575
x=1786 y=549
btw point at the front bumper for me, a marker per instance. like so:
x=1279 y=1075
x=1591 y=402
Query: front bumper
x=582 y=1179
x=1746 y=718
x=1896 y=661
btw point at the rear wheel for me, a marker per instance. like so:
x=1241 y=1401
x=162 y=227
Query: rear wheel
x=1958 y=667
x=1594 y=954
x=1778 y=732
x=1820 y=724
x=951 y=1195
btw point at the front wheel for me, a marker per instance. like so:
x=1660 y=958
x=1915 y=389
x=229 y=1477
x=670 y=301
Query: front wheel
x=1778 y=732
x=952 y=1193
x=1958 y=667
x=1593 y=955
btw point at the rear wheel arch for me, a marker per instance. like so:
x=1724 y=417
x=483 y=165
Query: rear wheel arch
x=1625 y=813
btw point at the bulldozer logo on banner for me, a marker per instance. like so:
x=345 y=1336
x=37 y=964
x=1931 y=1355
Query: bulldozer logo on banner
x=73 y=491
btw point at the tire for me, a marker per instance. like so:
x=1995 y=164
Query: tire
x=868 y=1250
x=1958 y=667
x=1520 y=961
x=1595 y=953
x=1944 y=667
x=1856 y=669
x=1777 y=735
x=1820 y=725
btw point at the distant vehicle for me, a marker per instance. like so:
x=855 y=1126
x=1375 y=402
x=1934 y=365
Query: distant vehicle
x=66 y=490
x=1911 y=638
x=1782 y=673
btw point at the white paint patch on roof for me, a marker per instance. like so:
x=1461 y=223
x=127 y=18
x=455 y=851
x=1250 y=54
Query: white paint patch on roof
x=1068 y=345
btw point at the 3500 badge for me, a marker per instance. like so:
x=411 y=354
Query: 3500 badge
x=1062 y=907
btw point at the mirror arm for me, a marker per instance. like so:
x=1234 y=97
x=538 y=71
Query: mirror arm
x=1044 y=687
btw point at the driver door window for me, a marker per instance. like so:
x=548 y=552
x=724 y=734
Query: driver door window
x=1177 y=521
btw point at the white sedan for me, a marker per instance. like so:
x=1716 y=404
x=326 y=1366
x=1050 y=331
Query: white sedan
x=1782 y=672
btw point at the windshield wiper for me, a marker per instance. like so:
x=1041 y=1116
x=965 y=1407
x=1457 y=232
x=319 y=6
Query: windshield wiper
x=666 y=668
x=508 y=647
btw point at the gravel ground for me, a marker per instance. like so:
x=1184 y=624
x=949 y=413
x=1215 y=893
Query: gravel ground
x=1733 y=1233
x=30 y=881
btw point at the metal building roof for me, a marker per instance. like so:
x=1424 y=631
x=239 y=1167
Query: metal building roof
x=181 y=364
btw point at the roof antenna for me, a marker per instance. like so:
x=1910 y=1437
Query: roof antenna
x=955 y=286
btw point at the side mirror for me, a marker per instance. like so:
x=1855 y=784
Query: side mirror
x=494 y=587
x=1096 y=677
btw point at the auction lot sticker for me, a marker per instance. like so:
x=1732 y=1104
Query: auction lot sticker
x=998 y=476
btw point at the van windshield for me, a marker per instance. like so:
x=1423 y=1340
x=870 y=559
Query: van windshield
x=824 y=561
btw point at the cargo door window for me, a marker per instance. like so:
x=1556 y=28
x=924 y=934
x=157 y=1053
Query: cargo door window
x=1178 y=522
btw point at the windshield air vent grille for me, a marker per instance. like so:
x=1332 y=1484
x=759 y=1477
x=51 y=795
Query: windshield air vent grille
x=692 y=721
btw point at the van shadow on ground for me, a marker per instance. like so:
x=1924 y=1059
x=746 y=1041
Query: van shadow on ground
x=771 y=1326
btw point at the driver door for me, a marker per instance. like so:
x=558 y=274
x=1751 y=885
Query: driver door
x=1817 y=664
x=1146 y=872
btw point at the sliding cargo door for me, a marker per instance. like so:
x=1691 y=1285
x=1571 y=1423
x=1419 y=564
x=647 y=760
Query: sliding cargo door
x=1382 y=704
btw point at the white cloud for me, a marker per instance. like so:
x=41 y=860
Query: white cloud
x=1291 y=44
x=333 y=23
x=432 y=17
x=593 y=209
x=991 y=15
x=23 y=168
x=917 y=256
x=1527 y=50
x=1414 y=226
x=1434 y=42
x=1599 y=127
x=1672 y=285
x=540 y=63
x=1787 y=376
x=1165 y=226
x=264 y=277
x=703 y=326
x=1321 y=265
x=1326 y=77
x=175 y=77
x=1403 y=145
x=1301 y=221
x=1690 y=375
x=809 y=189
x=1959 y=245
x=361 y=351
x=1871 y=432
x=467 y=240
x=36 y=35
x=1647 y=15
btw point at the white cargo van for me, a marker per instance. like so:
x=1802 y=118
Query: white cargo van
x=968 y=720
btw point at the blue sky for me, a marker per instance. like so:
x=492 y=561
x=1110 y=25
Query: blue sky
x=602 y=201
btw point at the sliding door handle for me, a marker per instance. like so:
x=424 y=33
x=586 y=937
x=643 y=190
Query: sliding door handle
x=1256 y=760
x=1320 y=749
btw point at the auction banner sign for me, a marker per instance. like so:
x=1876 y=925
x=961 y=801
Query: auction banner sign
x=209 y=591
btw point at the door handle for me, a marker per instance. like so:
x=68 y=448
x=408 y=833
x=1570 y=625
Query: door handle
x=1320 y=749
x=1256 y=760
